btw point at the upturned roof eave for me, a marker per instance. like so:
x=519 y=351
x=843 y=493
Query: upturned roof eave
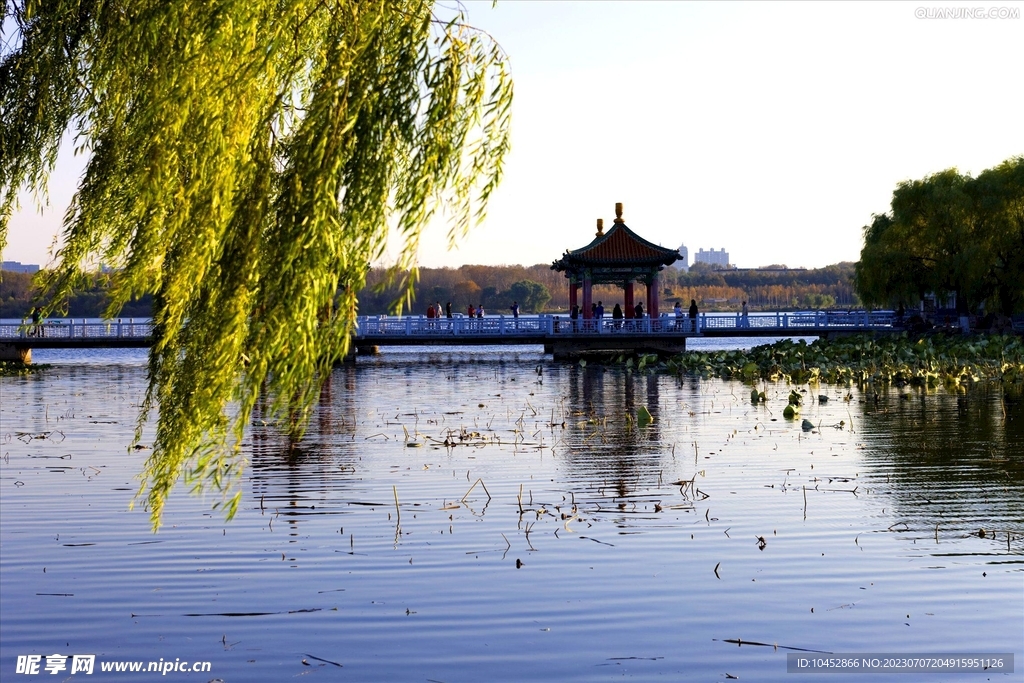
x=577 y=258
x=567 y=262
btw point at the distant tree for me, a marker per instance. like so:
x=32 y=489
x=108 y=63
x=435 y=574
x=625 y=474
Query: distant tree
x=702 y=275
x=817 y=300
x=17 y=295
x=466 y=292
x=491 y=297
x=439 y=294
x=20 y=293
x=532 y=296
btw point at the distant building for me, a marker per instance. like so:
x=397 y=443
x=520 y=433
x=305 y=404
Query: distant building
x=684 y=263
x=713 y=258
x=19 y=267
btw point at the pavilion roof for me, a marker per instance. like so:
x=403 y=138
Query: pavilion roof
x=620 y=247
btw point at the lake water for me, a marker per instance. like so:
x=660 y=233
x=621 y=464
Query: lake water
x=550 y=539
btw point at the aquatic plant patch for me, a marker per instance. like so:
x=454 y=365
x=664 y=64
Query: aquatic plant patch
x=13 y=368
x=927 y=361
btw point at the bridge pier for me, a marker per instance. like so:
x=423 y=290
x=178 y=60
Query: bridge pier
x=360 y=350
x=18 y=353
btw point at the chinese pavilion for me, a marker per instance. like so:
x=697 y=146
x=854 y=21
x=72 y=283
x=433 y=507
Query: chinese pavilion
x=619 y=257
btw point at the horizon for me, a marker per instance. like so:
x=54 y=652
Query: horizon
x=772 y=130
x=767 y=267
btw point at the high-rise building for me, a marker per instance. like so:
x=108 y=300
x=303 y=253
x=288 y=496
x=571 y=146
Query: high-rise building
x=683 y=263
x=715 y=258
x=19 y=267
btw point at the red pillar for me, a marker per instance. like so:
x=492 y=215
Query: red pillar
x=652 y=294
x=573 y=294
x=647 y=298
x=628 y=293
x=587 y=313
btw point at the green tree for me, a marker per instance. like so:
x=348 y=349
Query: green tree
x=247 y=159
x=817 y=300
x=17 y=295
x=887 y=273
x=999 y=195
x=949 y=234
x=701 y=275
x=532 y=296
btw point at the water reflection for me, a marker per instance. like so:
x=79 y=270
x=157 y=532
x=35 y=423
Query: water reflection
x=936 y=455
x=605 y=446
x=956 y=461
x=586 y=417
x=293 y=478
x=503 y=589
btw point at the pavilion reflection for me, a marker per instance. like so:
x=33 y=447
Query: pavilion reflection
x=605 y=446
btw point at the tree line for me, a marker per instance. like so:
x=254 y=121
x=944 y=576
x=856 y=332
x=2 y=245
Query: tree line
x=20 y=294
x=774 y=287
x=539 y=289
x=493 y=287
x=536 y=289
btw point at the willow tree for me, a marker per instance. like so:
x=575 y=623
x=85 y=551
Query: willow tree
x=950 y=234
x=999 y=194
x=247 y=161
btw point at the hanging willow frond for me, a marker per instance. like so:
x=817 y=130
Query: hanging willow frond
x=246 y=162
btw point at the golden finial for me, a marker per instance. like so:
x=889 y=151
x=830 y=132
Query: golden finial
x=618 y=212
x=600 y=227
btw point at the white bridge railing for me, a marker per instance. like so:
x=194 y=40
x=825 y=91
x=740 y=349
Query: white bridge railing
x=369 y=327
x=70 y=329
x=811 y=319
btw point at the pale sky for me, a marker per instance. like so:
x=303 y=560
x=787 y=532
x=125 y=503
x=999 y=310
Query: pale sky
x=774 y=130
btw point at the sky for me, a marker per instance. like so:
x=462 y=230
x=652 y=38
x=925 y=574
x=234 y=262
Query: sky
x=772 y=130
